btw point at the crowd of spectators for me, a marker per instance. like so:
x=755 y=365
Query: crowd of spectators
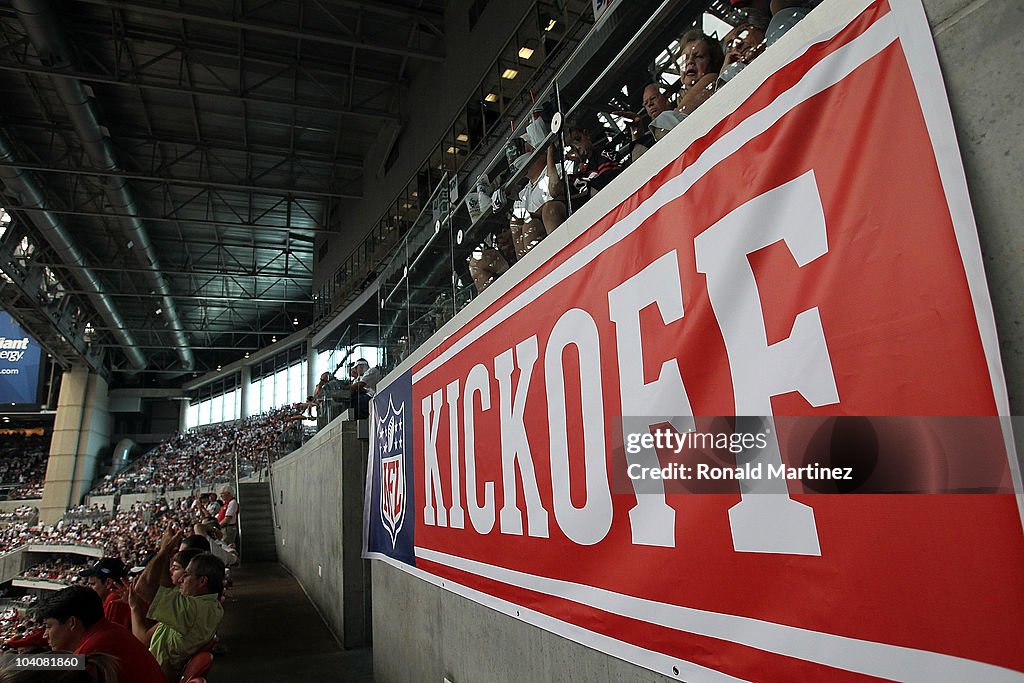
x=155 y=632
x=22 y=513
x=16 y=619
x=23 y=465
x=704 y=64
x=88 y=514
x=557 y=181
x=142 y=629
x=16 y=534
x=134 y=537
x=203 y=456
x=130 y=534
x=151 y=622
x=64 y=570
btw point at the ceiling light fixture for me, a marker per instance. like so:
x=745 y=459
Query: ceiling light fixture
x=509 y=74
x=490 y=97
x=526 y=52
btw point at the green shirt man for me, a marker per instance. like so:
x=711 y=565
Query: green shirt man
x=186 y=623
x=187 y=615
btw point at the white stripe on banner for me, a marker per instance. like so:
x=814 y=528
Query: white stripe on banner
x=823 y=75
x=851 y=654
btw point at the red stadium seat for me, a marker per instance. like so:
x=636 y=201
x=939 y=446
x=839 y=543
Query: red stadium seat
x=197 y=667
x=209 y=645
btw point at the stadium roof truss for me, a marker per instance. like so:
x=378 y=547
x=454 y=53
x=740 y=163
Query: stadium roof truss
x=171 y=164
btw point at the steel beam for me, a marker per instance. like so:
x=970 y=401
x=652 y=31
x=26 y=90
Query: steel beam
x=182 y=182
x=256 y=227
x=285 y=32
x=376 y=115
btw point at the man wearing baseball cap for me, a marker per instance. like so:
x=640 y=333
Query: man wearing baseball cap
x=105 y=578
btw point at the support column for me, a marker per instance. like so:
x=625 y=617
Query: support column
x=312 y=371
x=244 y=380
x=81 y=430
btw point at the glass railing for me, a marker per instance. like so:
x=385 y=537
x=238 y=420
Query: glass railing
x=542 y=41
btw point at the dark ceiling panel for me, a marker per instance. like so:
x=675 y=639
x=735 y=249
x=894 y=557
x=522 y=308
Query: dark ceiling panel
x=239 y=130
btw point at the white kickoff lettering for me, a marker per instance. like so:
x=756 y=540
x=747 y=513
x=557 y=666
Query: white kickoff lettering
x=515 y=446
x=480 y=514
x=793 y=214
x=652 y=520
x=591 y=523
x=456 y=515
x=431 y=469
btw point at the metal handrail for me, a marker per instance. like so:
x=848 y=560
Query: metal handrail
x=238 y=517
x=270 y=482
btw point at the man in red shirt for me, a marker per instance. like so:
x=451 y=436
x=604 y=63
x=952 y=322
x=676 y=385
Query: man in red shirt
x=73 y=619
x=105 y=578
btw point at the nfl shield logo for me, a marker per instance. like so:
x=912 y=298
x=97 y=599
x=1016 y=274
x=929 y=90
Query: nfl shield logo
x=391 y=446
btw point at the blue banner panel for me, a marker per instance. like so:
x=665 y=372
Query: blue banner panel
x=390 y=507
x=19 y=363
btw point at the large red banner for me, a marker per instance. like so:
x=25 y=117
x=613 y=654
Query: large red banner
x=807 y=256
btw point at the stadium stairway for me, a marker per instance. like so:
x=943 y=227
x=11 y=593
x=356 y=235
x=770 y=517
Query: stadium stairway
x=272 y=633
x=256 y=519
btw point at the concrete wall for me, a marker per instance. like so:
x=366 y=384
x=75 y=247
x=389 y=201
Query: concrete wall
x=318 y=495
x=101 y=500
x=64 y=549
x=129 y=499
x=12 y=564
x=424 y=633
x=8 y=505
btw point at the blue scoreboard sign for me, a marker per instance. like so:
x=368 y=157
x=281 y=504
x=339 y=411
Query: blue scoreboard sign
x=19 y=363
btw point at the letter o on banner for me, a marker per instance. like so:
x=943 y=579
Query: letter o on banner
x=589 y=524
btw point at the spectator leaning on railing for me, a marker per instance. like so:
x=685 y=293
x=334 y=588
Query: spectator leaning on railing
x=598 y=163
x=700 y=59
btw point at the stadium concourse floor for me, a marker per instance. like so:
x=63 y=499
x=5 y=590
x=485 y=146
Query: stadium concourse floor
x=272 y=634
